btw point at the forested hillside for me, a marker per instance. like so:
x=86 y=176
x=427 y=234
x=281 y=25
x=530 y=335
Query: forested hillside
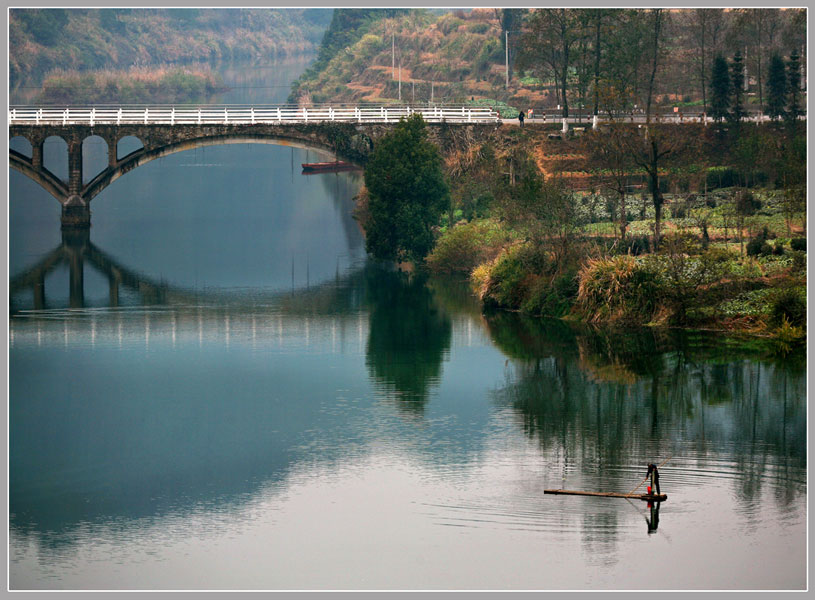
x=44 y=39
x=598 y=59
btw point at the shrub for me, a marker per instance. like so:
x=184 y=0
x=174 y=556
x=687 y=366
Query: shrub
x=799 y=260
x=464 y=246
x=788 y=337
x=640 y=244
x=368 y=46
x=480 y=279
x=799 y=244
x=552 y=299
x=754 y=247
x=449 y=23
x=746 y=203
x=721 y=177
x=753 y=303
x=788 y=305
x=618 y=289
x=687 y=274
x=758 y=245
x=509 y=281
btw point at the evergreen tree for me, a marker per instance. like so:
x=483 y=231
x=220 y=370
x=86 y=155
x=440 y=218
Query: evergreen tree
x=794 y=91
x=737 y=112
x=776 y=88
x=719 y=89
x=407 y=193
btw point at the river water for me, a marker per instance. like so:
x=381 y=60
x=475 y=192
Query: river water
x=216 y=389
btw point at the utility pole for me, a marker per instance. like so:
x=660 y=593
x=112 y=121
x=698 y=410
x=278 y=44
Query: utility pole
x=746 y=79
x=506 y=50
x=393 y=53
x=400 y=79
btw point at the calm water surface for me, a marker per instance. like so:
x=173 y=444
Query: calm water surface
x=217 y=389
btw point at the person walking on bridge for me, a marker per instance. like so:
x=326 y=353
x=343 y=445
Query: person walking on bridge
x=521 y=117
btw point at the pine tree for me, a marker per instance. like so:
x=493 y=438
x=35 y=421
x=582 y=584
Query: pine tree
x=737 y=112
x=776 y=88
x=794 y=90
x=719 y=89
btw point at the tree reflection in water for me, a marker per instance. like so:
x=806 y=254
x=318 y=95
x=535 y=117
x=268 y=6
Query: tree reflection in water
x=604 y=399
x=409 y=337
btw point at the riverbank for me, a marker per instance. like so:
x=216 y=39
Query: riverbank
x=161 y=85
x=41 y=40
x=549 y=228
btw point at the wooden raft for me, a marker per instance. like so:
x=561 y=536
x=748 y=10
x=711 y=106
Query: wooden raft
x=646 y=497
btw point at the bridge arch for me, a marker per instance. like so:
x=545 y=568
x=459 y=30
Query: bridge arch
x=55 y=159
x=47 y=180
x=143 y=156
x=127 y=145
x=22 y=145
x=95 y=157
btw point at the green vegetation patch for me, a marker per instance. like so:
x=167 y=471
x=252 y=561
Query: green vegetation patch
x=463 y=247
x=505 y=110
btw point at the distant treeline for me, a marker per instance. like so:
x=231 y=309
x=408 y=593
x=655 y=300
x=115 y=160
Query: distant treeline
x=159 y=85
x=41 y=40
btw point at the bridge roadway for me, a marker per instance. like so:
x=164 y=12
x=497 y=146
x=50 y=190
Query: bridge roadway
x=279 y=114
x=241 y=115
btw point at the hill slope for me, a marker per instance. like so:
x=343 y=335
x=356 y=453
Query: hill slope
x=44 y=39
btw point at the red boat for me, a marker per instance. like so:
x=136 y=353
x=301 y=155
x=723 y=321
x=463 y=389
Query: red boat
x=328 y=167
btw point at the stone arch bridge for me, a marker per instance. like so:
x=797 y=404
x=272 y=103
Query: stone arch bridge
x=349 y=134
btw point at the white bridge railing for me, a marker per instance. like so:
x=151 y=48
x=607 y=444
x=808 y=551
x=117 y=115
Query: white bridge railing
x=245 y=115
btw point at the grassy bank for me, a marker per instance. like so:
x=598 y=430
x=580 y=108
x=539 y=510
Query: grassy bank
x=162 y=85
x=682 y=284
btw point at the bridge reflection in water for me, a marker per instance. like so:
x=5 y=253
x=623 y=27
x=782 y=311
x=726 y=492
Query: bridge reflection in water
x=390 y=317
x=75 y=251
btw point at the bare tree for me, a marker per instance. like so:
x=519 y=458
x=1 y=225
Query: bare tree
x=653 y=148
x=555 y=31
x=706 y=25
x=657 y=23
x=619 y=71
x=609 y=151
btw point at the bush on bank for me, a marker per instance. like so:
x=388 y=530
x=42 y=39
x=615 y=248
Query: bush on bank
x=618 y=289
x=466 y=245
x=526 y=277
x=683 y=284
